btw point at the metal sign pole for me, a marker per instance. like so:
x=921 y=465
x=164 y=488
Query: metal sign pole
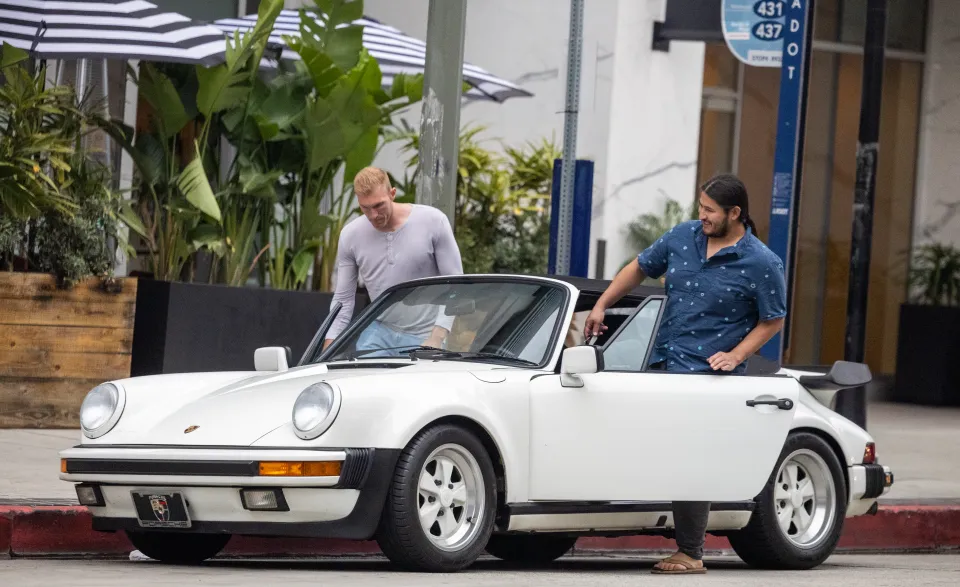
x=569 y=161
x=440 y=114
x=788 y=161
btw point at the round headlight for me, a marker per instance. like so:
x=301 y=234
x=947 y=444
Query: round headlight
x=101 y=409
x=315 y=410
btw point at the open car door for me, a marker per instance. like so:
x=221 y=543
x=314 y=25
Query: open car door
x=612 y=430
x=315 y=348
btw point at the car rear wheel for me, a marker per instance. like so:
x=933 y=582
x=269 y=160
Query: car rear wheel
x=178 y=548
x=439 y=511
x=799 y=515
x=529 y=549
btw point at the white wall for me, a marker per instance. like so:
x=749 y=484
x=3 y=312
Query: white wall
x=937 y=211
x=654 y=129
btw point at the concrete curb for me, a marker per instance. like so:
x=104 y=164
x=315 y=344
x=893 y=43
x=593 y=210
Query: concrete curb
x=39 y=530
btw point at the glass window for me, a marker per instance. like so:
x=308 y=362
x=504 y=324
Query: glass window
x=844 y=21
x=627 y=351
x=505 y=321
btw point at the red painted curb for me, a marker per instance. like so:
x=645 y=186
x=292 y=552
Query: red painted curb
x=66 y=530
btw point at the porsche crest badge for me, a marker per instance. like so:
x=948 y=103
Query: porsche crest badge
x=190 y=429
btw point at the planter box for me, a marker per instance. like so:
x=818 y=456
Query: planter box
x=57 y=344
x=190 y=327
x=928 y=356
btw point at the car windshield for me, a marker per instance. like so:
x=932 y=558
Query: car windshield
x=513 y=322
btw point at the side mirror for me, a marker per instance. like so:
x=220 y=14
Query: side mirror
x=271 y=358
x=579 y=360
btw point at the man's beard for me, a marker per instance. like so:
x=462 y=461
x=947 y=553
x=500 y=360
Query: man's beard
x=720 y=230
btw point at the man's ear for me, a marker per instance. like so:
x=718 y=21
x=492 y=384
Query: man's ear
x=736 y=212
x=393 y=193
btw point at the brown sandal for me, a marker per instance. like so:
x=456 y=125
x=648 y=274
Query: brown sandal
x=689 y=568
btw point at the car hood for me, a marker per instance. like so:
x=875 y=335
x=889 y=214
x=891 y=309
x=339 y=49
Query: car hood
x=238 y=409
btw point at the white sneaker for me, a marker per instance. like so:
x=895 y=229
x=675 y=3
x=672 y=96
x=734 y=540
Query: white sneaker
x=136 y=555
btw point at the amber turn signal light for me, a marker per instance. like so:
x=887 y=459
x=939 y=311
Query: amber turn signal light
x=301 y=469
x=63 y=465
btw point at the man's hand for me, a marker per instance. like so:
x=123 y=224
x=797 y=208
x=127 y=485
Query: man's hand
x=725 y=361
x=327 y=343
x=594 y=325
x=436 y=337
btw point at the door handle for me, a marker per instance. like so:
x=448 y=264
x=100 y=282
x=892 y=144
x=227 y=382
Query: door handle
x=783 y=404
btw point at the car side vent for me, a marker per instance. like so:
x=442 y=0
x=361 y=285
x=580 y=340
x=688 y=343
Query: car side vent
x=355 y=468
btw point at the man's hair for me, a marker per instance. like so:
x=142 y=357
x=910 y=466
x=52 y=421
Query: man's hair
x=369 y=179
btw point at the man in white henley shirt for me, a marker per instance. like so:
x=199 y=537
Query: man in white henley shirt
x=392 y=244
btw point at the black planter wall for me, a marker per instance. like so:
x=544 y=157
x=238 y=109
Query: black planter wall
x=928 y=356
x=189 y=327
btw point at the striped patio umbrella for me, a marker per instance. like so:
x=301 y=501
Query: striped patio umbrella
x=394 y=51
x=108 y=29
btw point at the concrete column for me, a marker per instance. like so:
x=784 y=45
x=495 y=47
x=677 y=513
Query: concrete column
x=654 y=127
x=937 y=208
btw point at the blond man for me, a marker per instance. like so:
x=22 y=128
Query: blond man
x=391 y=244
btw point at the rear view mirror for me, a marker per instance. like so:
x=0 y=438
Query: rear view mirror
x=461 y=308
x=272 y=358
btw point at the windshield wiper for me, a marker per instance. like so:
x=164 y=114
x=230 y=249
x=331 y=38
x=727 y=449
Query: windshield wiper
x=408 y=349
x=496 y=356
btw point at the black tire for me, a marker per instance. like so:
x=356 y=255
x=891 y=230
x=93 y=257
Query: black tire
x=762 y=543
x=529 y=549
x=400 y=534
x=178 y=548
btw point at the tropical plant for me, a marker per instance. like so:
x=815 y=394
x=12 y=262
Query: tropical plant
x=644 y=230
x=935 y=275
x=502 y=220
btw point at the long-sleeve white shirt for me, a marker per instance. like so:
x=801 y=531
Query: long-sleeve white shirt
x=424 y=246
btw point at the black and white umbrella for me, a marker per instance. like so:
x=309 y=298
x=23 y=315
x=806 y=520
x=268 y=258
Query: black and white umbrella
x=394 y=51
x=108 y=29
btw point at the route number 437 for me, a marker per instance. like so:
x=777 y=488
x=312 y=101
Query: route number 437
x=769 y=8
x=768 y=30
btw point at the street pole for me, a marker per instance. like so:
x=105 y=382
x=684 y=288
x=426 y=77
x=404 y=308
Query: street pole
x=440 y=111
x=569 y=160
x=852 y=403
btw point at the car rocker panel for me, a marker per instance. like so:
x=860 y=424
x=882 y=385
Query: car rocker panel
x=476 y=448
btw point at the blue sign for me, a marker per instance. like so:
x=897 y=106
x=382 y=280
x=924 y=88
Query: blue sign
x=789 y=135
x=755 y=30
x=582 y=212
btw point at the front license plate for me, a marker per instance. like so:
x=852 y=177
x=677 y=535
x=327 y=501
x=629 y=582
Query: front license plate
x=161 y=510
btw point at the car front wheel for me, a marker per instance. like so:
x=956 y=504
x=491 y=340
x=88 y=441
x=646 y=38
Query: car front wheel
x=799 y=515
x=440 y=508
x=178 y=548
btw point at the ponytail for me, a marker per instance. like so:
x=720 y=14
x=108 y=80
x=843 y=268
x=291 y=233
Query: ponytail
x=728 y=191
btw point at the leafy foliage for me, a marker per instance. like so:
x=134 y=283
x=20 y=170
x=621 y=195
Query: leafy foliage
x=502 y=222
x=935 y=275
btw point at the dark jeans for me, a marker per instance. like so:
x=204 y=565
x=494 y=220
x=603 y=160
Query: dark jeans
x=689 y=517
x=690 y=521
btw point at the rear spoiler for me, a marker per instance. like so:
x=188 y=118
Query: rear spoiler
x=842 y=375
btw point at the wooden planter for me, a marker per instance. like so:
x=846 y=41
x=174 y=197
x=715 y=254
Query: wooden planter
x=57 y=344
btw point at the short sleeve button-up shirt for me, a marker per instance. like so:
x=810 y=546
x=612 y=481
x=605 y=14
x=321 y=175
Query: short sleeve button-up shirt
x=712 y=304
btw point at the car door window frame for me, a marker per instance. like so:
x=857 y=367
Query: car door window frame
x=653 y=335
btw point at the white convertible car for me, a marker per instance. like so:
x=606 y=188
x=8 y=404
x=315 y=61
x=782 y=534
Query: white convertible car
x=514 y=438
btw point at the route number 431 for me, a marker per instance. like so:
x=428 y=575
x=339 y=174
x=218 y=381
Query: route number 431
x=769 y=8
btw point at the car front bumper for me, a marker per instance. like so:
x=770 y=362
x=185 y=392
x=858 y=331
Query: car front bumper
x=867 y=483
x=213 y=481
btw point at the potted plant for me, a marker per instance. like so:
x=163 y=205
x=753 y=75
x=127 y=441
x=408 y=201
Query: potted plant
x=65 y=322
x=928 y=371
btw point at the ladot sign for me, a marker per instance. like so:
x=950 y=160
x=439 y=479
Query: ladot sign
x=776 y=33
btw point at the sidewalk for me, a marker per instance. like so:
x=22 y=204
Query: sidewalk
x=39 y=515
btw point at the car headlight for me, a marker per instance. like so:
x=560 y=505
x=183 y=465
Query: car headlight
x=315 y=410
x=101 y=409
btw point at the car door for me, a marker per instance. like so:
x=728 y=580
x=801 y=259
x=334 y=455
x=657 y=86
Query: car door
x=630 y=434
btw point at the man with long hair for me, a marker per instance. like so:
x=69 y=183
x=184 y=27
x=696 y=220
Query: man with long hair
x=726 y=297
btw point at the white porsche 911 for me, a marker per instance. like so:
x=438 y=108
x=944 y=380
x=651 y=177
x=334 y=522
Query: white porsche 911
x=515 y=438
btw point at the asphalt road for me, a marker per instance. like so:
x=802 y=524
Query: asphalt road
x=841 y=570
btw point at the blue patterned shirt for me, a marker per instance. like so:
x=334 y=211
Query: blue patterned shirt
x=712 y=304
